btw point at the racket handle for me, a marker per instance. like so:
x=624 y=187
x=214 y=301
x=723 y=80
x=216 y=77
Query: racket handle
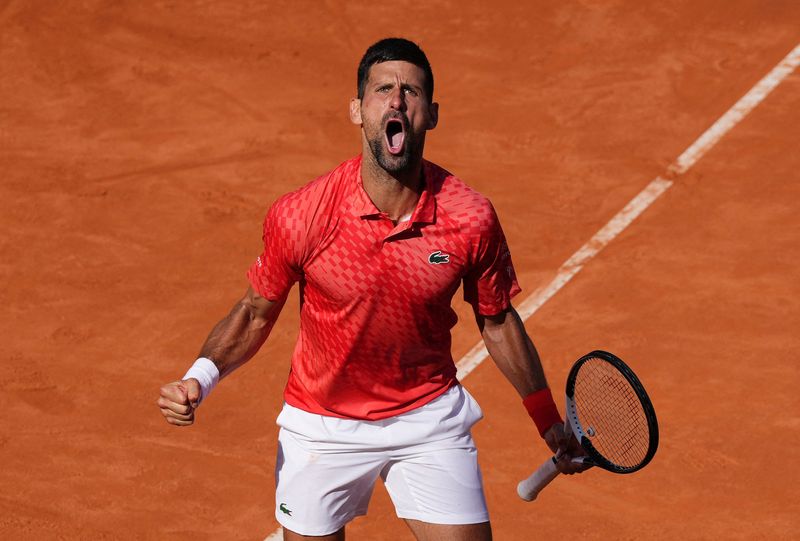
x=529 y=488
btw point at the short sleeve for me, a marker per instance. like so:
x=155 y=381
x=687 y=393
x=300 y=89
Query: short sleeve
x=491 y=282
x=275 y=271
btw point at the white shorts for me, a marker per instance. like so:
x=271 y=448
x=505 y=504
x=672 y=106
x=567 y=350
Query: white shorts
x=327 y=466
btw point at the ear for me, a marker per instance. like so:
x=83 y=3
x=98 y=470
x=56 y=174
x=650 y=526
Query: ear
x=433 y=113
x=355 y=111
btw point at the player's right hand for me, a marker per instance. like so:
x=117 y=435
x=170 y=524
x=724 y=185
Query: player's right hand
x=565 y=450
x=178 y=400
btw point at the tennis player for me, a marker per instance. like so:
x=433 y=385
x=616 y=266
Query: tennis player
x=379 y=247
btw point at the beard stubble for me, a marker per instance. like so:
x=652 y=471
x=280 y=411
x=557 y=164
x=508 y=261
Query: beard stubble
x=389 y=162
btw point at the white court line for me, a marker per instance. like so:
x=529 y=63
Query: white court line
x=573 y=265
x=736 y=113
x=635 y=207
x=646 y=197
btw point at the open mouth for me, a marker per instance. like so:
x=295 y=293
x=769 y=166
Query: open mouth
x=395 y=136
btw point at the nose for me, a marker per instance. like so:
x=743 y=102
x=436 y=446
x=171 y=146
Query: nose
x=397 y=99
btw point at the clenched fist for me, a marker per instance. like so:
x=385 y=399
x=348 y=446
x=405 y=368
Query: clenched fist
x=178 y=401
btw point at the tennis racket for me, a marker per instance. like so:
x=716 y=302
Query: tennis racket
x=611 y=416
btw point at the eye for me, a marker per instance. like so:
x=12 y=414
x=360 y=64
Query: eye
x=383 y=88
x=410 y=91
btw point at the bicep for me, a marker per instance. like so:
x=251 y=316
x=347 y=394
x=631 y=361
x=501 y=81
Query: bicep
x=491 y=282
x=279 y=266
x=497 y=323
x=259 y=308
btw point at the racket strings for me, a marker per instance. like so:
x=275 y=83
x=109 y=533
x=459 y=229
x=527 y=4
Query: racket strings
x=611 y=413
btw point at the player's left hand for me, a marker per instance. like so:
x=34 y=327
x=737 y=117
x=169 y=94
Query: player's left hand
x=178 y=401
x=565 y=450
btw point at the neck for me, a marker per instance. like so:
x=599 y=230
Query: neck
x=395 y=193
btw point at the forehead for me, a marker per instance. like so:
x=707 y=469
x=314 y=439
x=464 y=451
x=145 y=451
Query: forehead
x=397 y=69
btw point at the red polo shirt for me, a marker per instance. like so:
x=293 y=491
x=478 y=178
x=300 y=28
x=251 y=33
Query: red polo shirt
x=375 y=298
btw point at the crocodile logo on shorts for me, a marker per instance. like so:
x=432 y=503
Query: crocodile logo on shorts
x=285 y=509
x=438 y=258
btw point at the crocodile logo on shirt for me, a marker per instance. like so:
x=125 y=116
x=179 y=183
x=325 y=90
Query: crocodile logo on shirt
x=285 y=509
x=438 y=258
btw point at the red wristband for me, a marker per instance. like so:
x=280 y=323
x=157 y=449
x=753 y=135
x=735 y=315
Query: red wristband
x=542 y=410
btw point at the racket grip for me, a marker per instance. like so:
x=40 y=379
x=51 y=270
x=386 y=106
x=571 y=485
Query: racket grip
x=529 y=488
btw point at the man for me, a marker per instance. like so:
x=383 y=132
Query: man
x=380 y=245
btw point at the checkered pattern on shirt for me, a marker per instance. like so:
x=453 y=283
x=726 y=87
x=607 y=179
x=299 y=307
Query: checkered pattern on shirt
x=375 y=311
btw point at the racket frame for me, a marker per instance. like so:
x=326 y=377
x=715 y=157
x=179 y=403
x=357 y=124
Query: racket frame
x=573 y=415
x=528 y=489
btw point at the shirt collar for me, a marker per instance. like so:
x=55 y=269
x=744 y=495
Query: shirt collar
x=424 y=212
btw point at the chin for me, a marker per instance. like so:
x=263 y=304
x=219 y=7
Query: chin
x=389 y=162
x=394 y=164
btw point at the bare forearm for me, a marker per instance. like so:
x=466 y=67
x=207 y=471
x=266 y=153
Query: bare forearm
x=239 y=335
x=513 y=351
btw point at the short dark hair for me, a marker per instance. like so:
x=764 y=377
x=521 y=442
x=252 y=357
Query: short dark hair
x=390 y=49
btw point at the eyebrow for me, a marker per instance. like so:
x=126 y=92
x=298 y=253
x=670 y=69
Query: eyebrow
x=392 y=82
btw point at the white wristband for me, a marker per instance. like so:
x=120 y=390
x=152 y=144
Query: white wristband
x=206 y=373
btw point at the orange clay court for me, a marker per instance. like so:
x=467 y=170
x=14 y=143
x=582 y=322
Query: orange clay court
x=141 y=143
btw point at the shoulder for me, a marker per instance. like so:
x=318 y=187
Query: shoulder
x=322 y=195
x=458 y=201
